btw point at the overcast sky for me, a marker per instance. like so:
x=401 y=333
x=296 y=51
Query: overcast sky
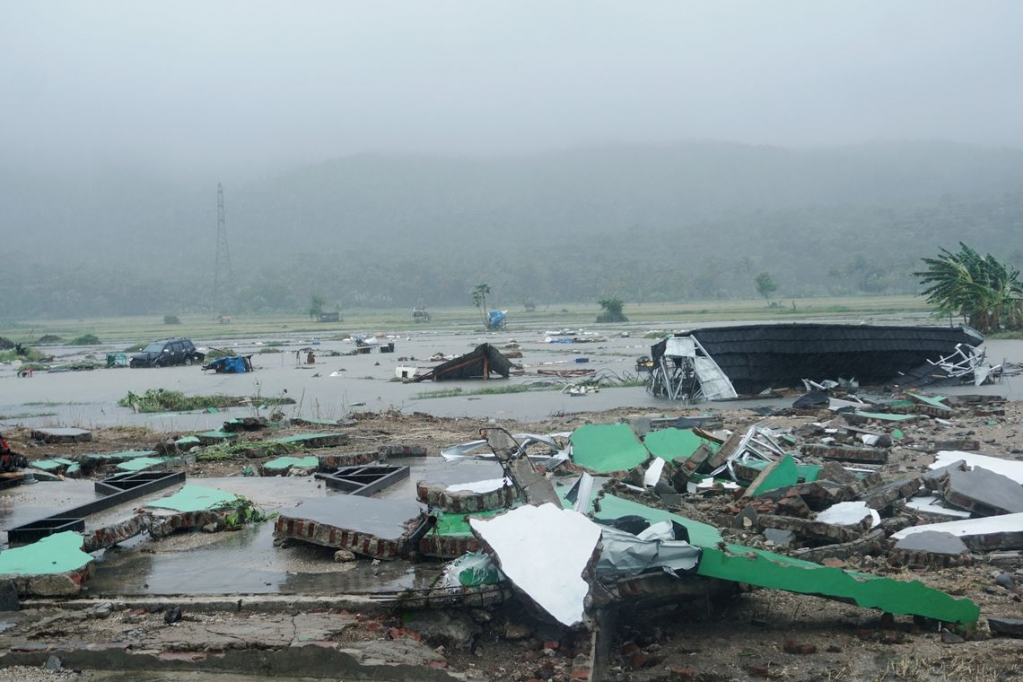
x=258 y=85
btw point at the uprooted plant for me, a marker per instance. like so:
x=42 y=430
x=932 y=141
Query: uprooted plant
x=162 y=400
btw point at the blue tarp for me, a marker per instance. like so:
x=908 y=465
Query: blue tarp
x=230 y=365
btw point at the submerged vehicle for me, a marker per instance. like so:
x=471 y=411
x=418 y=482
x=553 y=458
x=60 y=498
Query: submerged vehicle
x=167 y=352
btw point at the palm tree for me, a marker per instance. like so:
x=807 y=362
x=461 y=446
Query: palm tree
x=988 y=294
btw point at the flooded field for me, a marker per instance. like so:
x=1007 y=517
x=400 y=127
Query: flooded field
x=339 y=383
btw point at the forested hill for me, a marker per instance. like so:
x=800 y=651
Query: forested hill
x=671 y=222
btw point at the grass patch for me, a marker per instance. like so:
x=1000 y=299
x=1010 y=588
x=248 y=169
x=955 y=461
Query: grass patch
x=489 y=390
x=85 y=340
x=162 y=400
x=26 y=415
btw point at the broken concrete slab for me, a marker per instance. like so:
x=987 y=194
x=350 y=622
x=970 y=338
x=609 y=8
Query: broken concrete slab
x=934 y=507
x=545 y=552
x=282 y=466
x=676 y=444
x=980 y=535
x=381 y=529
x=1006 y=467
x=983 y=492
x=850 y=514
x=814 y=531
x=487 y=495
x=757 y=567
x=309 y=441
x=55 y=566
x=195 y=498
x=61 y=435
x=846 y=453
x=1006 y=627
x=607 y=448
x=781 y=473
x=881 y=496
x=932 y=548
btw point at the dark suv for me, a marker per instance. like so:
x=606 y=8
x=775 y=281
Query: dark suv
x=167 y=352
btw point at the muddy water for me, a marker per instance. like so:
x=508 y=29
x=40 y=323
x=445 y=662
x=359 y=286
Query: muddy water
x=338 y=384
x=330 y=388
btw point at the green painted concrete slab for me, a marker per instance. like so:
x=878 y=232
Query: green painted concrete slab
x=670 y=444
x=316 y=422
x=142 y=463
x=285 y=463
x=457 y=524
x=606 y=448
x=311 y=440
x=74 y=469
x=52 y=464
x=932 y=400
x=213 y=436
x=756 y=567
x=55 y=554
x=120 y=456
x=886 y=417
x=783 y=475
x=807 y=473
x=187 y=442
x=193 y=498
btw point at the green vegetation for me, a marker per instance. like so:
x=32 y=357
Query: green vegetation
x=85 y=340
x=612 y=310
x=162 y=400
x=243 y=511
x=765 y=285
x=985 y=292
x=316 y=306
x=479 y=299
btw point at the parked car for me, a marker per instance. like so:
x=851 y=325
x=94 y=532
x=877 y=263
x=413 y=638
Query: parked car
x=167 y=352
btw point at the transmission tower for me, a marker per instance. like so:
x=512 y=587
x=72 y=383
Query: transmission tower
x=223 y=278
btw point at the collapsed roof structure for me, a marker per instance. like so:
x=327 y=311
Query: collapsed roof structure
x=720 y=363
x=480 y=363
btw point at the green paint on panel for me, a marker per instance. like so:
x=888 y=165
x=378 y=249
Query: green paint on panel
x=58 y=553
x=756 y=567
x=937 y=401
x=456 y=524
x=807 y=473
x=193 y=498
x=886 y=417
x=216 y=435
x=52 y=464
x=897 y=434
x=284 y=463
x=187 y=442
x=782 y=475
x=605 y=448
x=120 y=456
x=142 y=463
x=311 y=439
x=671 y=444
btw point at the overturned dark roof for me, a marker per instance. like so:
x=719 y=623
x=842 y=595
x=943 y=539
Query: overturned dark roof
x=760 y=356
x=482 y=362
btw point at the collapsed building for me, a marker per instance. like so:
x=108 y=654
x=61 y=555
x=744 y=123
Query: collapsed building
x=720 y=363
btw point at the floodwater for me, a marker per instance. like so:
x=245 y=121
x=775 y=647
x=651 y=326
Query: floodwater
x=338 y=384
x=331 y=388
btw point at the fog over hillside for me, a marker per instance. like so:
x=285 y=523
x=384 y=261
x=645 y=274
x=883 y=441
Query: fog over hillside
x=396 y=156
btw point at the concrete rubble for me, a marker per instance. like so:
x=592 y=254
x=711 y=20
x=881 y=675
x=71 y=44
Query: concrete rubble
x=583 y=529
